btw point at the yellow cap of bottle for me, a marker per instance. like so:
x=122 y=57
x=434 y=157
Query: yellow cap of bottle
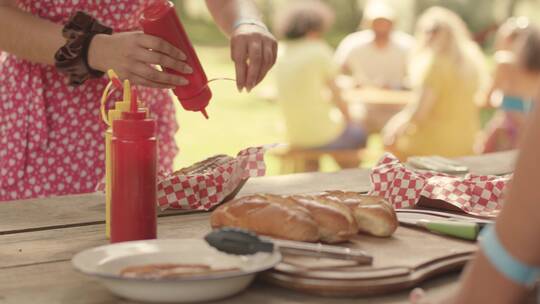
x=109 y=116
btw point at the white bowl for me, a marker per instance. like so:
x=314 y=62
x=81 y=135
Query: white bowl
x=106 y=262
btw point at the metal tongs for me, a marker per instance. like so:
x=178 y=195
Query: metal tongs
x=243 y=242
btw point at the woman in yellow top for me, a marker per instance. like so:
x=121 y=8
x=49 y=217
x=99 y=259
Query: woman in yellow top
x=447 y=71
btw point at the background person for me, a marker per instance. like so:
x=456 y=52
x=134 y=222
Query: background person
x=516 y=80
x=488 y=278
x=447 y=72
x=376 y=56
x=315 y=115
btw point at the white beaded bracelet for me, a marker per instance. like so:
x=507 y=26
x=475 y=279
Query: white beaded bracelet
x=250 y=21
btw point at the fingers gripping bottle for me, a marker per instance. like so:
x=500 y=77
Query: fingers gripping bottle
x=160 y=19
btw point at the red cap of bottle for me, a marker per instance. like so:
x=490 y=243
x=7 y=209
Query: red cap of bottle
x=134 y=124
x=160 y=19
x=133 y=176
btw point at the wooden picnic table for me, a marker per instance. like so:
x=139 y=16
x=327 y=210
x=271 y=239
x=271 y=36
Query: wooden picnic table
x=38 y=238
x=376 y=106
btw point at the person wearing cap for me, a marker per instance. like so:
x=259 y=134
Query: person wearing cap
x=51 y=79
x=376 y=56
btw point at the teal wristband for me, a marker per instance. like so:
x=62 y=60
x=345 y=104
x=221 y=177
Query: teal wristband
x=505 y=263
x=249 y=21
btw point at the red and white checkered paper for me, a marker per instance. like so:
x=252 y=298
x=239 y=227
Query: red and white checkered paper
x=479 y=195
x=204 y=191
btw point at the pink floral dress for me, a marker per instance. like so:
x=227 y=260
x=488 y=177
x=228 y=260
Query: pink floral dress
x=51 y=134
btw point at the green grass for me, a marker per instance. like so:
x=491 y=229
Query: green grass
x=237 y=120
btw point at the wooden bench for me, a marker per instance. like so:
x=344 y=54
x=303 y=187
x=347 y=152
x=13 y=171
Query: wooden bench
x=296 y=160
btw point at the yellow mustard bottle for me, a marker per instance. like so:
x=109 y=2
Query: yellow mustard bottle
x=109 y=117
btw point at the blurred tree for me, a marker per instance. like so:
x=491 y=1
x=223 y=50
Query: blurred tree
x=482 y=16
x=468 y=10
x=529 y=8
x=267 y=8
x=347 y=13
x=511 y=7
x=178 y=3
x=348 y=16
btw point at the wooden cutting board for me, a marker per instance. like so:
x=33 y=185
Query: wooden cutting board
x=409 y=257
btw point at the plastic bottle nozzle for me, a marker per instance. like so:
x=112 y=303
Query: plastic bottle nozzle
x=134 y=107
x=134 y=112
x=114 y=78
x=203 y=111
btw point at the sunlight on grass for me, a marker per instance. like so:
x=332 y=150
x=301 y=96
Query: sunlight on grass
x=237 y=120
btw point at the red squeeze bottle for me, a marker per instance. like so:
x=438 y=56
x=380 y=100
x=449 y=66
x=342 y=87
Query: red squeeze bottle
x=134 y=176
x=160 y=19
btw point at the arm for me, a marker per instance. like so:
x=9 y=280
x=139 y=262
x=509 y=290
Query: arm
x=425 y=102
x=417 y=112
x=227 y=12
x=37 y=40
x=427 y=89
x=338 y=100
x=27 y=36
x=342 y=53
x=398 y=125
x=497 y=83
x=518 y=229
x=253 y=48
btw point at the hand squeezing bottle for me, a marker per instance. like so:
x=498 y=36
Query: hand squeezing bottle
x=160 y=19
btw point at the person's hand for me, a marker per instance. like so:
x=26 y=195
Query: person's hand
x=396 y=127
x=419 y=296
x=391 y=133
x=253 y=50
x=133 y=56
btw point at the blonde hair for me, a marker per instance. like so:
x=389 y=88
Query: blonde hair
x=453 y=40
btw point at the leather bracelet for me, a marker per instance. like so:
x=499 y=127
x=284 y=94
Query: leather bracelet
x=72 y=58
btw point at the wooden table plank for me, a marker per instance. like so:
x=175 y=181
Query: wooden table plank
x=347 y=180
x=376 y=96
x=58 y=283
x=491 y=164
x=376 y=106
x=47 y=246
x=40 y=262
x=88 y=209
x=35 y=264
x=51 y=212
